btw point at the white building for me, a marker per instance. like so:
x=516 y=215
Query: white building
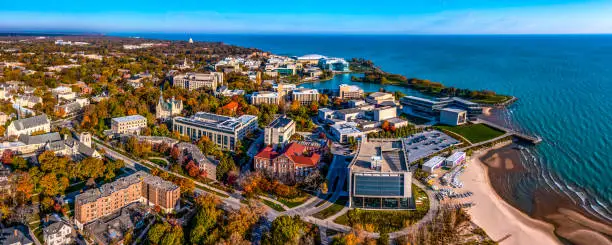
x=168 y=108
x=325 y=113
x=379 y=97
x=284 y=88
x=58 y=232
x=129 y=124
x=305 y=96
x=343 y=131
x=223 y=130
x=27 y=101
x=384 y=113
x=433 y=163
x=265 y=97
x=350 y=91
x=193 y=81
x=279 y=131
x=64 y=93
x=453 y=116
x=455 y=159
x=29 y=125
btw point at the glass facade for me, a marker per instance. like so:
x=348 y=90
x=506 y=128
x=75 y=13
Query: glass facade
x=383 y=186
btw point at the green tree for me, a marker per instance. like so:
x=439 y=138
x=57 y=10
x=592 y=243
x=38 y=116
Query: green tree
x=226 y=164
x=19 y=163
x=156 y=232
x=286 y=230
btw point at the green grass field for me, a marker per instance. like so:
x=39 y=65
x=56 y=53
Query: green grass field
x=387 y=221
x=493 y=99
x=331 y=210
x=473 y=132
x=274 y=206
x=294 y=202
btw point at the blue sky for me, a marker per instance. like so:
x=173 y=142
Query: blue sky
x=311 y=16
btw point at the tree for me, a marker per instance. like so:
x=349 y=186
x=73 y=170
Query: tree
x=383 y=239
x=156 y=232
x=48 y=183
x=91 y=167
x=286 y=230
x=175 y=153
x=226 y=164
x=173 y=237
x=19 y=163
x=7 y=156
x=25 y=186
x=205 y=219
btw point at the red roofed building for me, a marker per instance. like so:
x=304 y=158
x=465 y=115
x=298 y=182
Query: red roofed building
x=295 y=163
x=232 y=106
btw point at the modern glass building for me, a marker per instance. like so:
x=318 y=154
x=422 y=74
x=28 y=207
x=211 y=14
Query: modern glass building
x=379 y=177
x=223 y=130
x=430 y=108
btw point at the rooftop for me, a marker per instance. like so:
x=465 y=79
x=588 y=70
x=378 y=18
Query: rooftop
x=205 y=119
x=379 y=94
x=128 y=118
x=312 y=57
x=352 y=88
x=122 y=183
x=280 y=122
x=434 y=161
x=346 y=128
x=265 y=94
x=305 y=91
x=455 y=156
x=31 y=122
x=12 y=235
x=390 y=155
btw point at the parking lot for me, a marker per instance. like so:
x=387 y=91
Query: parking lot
x=423 y=144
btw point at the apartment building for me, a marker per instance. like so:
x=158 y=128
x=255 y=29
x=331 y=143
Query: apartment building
x=265 y=97
x=225 y=131
x=111 y=197
x=193 y=81
x=129 y=124
x=377 y=98
x=279 y=131
x=305 y=96
x=350 y=92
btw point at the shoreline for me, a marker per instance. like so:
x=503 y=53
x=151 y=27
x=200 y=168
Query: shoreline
x=502 y=221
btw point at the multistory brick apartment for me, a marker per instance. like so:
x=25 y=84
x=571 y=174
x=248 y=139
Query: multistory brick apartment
x=111 y=197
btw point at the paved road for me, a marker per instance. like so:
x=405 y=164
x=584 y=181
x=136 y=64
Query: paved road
x=231 y=201
x=305 y=210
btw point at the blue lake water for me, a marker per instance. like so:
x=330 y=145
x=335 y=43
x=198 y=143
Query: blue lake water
x=564 y=86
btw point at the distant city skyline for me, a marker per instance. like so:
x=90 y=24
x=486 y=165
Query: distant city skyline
x=315 y=16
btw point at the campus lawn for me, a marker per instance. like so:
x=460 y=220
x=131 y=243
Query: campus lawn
x=496 y=99
x=333 y=209
x=296 y=201
x=272 y=205
x=473 y=132
x=159 y=162
x=386 y=221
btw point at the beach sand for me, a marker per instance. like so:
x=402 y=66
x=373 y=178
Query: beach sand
x=500 y=220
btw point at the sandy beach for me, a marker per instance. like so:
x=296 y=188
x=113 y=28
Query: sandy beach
x=500 y=220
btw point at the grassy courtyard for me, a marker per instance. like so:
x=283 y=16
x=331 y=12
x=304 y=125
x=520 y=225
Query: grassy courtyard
x=387 y=221
x=333 y=209
x=473 y=132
